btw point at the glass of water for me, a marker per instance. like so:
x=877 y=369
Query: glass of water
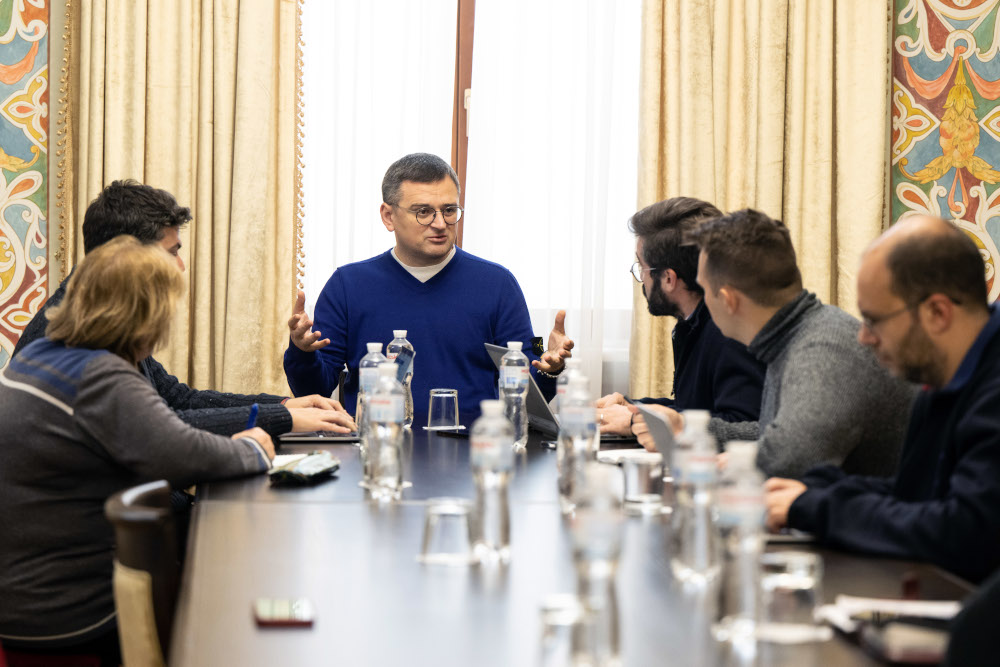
x=447 y=532
x=564 y=632
x=643 y=473
x=791 y=592
x=442 y=410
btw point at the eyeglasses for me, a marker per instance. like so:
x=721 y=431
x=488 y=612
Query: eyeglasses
x=425 y=214
x=638 y=270
x=869 y=322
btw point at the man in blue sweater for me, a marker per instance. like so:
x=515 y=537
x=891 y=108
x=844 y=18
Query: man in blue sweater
x=711 y=372
x=448 y=301
x=922 y=295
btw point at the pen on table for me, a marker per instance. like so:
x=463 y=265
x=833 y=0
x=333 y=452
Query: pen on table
x=253 y=416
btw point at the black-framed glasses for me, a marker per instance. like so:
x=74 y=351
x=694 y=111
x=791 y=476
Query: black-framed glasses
x=425 y=215
x=638 y=270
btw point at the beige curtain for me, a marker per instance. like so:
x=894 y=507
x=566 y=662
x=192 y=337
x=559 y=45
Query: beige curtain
x=780 y=105
x=198 y=97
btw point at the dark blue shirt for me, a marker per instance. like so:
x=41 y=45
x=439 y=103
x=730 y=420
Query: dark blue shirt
x=712 y=372
x=943 y=506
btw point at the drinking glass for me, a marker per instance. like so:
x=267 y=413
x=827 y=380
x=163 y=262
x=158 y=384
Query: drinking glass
x=447 y=532
x=791 y=592
x=564 y=632
x=442 y=413
x=643 y=473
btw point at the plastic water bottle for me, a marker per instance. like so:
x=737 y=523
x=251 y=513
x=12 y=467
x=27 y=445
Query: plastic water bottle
x=578 y=440
x=385 y=423
x=492 y=457
x=596 y=529
x=695 y=554
x=368 y=376
x=391 y=352
x=740 y=521
x=573 y=367
x=514 y=370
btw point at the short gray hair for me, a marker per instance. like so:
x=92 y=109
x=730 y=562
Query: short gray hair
x=416 y=167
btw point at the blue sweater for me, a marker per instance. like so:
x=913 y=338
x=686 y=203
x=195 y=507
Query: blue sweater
x=943 y=506
x=712 y=372
x=447 y=319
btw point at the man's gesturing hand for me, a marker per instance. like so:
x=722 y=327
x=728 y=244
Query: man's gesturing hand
x=300 y=328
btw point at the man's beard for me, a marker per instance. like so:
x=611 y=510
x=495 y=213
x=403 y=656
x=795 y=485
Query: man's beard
x=659 y=303
x=919 y=360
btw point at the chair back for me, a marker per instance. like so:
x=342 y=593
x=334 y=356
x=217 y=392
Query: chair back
x=145 y=572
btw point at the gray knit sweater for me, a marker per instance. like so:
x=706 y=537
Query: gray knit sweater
x=825 y=400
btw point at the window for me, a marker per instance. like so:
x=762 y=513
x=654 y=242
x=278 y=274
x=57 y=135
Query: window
x=553 y=147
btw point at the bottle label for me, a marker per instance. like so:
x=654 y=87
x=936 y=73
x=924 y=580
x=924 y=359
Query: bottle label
x=740 y=507
x=368 y=378
x=513 y=377
x=391 y=356
x=385 y=409
x=491 y=452
x=578 y=418
x=699 y=468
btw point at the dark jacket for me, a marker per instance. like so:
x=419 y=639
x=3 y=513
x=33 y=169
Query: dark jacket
x=214 y=411
x=943 y=506
x=712 y=372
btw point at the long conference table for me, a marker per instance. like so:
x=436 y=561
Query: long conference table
x=375 y=604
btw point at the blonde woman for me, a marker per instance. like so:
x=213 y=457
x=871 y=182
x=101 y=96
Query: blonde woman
x=81 y=422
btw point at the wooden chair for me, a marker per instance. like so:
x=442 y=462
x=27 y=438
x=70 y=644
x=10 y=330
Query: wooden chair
x=145 y=571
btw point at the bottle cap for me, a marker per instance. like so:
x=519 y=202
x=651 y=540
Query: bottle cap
x=399 y=333
x=374 y=347
x=573 y=363
x=387 y=369
x=514 y=344
x=491 y=408
x=696 y=419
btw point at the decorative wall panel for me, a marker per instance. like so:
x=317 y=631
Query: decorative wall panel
x=24 y=105
x=945 y=142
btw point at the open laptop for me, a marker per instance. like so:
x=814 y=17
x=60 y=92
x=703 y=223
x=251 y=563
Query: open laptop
x=540 y=415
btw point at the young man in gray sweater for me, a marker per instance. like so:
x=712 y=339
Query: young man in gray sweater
x=825 y=397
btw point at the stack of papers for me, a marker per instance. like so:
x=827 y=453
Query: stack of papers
x=839 y=614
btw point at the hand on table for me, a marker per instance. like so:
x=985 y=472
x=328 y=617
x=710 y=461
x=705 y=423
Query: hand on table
x=554 y=357
x=779 y=494
x=314 y=401
x=615 y=419
x=640 y=429
x=262 y=438
x=610 y=399
x=300 y=328
x=318 y=419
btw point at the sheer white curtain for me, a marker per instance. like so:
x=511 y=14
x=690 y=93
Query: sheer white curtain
x=553 y=155
x=378 y=83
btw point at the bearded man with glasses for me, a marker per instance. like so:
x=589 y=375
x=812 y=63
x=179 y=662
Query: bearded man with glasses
x=711 y=372
x=922 y=295
x=448 y=301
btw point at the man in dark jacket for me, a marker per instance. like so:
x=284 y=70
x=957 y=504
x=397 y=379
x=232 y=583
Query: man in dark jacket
x=153 y=216
x=922 y=296
x=711 y=372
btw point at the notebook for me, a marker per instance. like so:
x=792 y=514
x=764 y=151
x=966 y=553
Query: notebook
x=540 y=415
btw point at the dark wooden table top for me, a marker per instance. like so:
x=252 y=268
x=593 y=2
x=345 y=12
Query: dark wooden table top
x=377 y=605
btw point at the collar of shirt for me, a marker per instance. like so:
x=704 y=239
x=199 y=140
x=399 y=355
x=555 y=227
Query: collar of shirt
x=424 y=273
x=972 y=357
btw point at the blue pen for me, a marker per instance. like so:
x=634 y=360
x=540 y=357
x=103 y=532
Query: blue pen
x=253 y=416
